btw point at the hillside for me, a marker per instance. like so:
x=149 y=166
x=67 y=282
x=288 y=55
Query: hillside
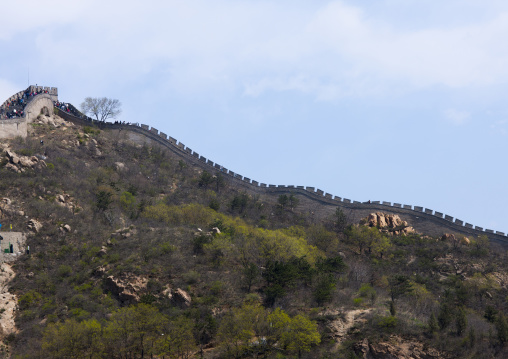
x=138 y=251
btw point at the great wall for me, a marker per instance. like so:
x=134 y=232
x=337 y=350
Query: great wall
x=319 y=203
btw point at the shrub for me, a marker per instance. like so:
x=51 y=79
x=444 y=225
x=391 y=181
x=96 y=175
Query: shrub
x=191 y=277
x=387 y=322
x=29 y=299
x=64 y=271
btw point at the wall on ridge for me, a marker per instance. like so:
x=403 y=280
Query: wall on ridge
x=319 y=204
x=13 y=128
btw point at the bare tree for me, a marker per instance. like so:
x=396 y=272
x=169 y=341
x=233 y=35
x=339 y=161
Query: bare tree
x=102 y=108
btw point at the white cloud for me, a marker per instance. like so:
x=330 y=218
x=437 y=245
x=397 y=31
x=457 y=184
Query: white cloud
x=328 y=50
x=457 y=117
x=34 y=15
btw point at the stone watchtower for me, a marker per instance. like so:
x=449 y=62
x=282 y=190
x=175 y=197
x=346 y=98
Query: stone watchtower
x=33 y=101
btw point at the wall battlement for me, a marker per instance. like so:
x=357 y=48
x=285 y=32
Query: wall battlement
x=417 y=214
x=33 y=105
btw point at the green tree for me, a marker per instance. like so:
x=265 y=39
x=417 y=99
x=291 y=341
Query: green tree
x=380 y=245
x=482 y=244
x=301 y=335
x=238 y=327
x=502 y=329
x=250 y=273
x=461 y=321
x=367 y=291
x=490 y=314
x=283 y=201
x=293 y=201
x=205 y=179
x=324 y=289
x=278 y=321
x=219 y=182
x=393 y=309
x=240 y=202
x=177 y=338
x=103 y=199
x=340 y=220
x=444 y=317
x=128 y=201
x=433 y=324
x=71 y=339
x=133 y=330
x=398 y=285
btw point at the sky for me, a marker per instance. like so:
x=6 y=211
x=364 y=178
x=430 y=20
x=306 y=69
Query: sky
x=393 y=100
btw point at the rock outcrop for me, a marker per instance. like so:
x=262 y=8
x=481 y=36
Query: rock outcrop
x=8 y=209
x=397 y=348
x=178 y=297
x=34 y=225
x=388 y=223
x=128 y=288
x=20 y=164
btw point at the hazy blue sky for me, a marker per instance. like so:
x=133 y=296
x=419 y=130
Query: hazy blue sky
x=393 y=100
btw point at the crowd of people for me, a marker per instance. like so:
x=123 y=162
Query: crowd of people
x=15 y=108
x=64 y=107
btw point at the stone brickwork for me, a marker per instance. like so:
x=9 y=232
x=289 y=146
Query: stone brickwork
x=13 y=128
x=40 y=103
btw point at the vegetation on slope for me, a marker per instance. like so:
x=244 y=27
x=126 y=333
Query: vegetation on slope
x=262 y=274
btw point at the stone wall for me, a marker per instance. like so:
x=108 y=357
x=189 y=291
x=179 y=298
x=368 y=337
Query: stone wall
x=41 y=103
x=13 y=128
x=321 y=204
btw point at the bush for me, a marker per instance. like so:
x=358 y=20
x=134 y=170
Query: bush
x=29 y=299
x=64 y=271
x=387 y=322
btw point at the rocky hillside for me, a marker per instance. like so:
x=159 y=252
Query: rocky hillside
x=137 y=253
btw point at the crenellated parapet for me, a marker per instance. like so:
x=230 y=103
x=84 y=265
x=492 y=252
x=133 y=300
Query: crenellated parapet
x=425 y=219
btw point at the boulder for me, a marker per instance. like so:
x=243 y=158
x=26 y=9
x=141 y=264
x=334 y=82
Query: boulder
x=127 y=288
x=25 y=162
x=12 y=167
x=448 y=237
x=120 y=166
x=34 y=225
x=102 y=252
x=372 y=220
